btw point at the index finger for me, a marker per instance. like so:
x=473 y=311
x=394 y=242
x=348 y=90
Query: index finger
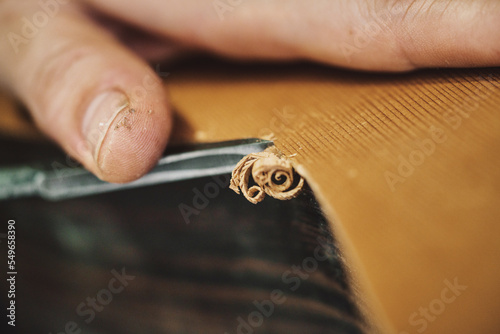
x=370 y=35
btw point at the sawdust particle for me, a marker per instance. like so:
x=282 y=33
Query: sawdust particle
x=123 y=122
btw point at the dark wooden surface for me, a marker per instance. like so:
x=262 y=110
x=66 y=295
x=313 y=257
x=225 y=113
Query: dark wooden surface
x=345 y=131
x=189 y=278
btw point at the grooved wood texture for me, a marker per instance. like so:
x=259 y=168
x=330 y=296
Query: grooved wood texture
x=407 y=167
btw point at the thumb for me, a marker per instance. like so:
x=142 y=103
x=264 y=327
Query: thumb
x=96 y=99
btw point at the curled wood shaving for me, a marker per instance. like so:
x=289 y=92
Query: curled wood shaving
x=264 y=173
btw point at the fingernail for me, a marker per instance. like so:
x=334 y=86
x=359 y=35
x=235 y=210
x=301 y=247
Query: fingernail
x=98 y=117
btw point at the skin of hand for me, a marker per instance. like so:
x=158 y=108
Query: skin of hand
x=81 y=67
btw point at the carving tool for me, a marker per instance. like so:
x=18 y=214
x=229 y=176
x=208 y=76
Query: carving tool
x=184 y=163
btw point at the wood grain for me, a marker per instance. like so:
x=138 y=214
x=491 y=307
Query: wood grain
x=406 y=166
x=200 y=277
x=407 y=233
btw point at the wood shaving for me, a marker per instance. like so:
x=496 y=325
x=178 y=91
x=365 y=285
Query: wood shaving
x=264 y=173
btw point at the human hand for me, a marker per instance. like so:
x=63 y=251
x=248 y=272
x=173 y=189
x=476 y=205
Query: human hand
x=83 y=73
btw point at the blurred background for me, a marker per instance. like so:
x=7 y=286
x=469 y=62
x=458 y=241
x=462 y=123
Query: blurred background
x=148 y=261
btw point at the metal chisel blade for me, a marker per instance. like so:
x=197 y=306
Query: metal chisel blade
x=186 y=163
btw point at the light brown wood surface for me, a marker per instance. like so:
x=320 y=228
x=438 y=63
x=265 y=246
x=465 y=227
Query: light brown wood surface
x=403 y=239
x=408 y=234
